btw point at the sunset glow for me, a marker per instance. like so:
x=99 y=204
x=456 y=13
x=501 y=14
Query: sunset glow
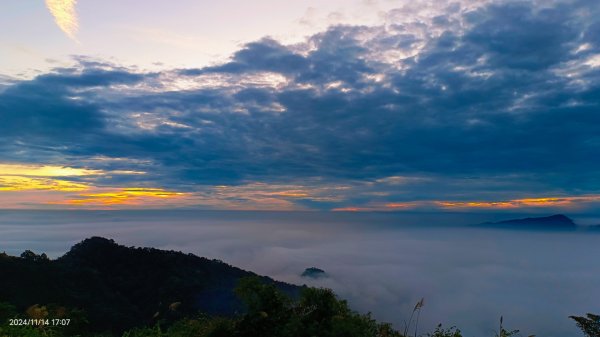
x=17 y=183
x=45 y=171
x=125 y=196
x=563 y=202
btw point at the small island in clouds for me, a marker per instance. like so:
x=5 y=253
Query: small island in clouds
x=314 y=272
x=386 y=150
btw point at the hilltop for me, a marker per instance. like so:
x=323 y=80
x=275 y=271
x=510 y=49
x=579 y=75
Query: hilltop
x=121 y=287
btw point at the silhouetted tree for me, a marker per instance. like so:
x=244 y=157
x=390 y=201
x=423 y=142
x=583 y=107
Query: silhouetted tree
x=590 y=325
x=31 y=256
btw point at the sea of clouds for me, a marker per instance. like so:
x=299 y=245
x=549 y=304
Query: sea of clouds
x=382 y=263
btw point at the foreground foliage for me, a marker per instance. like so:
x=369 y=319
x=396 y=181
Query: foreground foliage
x=590 y=325
x=269 y=313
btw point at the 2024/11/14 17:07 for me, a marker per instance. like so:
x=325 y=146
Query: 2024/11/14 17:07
x=40 y=321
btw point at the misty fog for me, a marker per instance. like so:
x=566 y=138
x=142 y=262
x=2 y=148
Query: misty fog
x=383 y=263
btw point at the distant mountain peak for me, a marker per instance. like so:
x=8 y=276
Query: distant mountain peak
x=558 y=217
x=552 y=221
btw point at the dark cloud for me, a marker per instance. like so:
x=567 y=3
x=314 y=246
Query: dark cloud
x=264 y=55
x=520 y=37
x=512 y=90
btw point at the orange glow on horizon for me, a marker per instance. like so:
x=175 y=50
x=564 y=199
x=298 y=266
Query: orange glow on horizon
x=30 y=177
x=476 y=204
x=403 y=205
x=290 y=194
x=124 y=196
x=45 y=171
x=520 y=203
x=560 y=202
x=16 y=183
x=78 y=187
x=351 y=209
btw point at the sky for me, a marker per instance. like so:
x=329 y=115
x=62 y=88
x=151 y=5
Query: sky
x=374 y=105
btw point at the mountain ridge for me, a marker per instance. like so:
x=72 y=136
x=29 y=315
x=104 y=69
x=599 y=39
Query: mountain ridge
x=120 y=287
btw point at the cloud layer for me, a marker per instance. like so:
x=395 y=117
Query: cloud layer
x=484 y=104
